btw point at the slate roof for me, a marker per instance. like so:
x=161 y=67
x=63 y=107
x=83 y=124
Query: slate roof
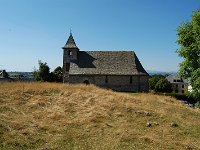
x=176 y=79
x=70 y=43
x=106 y=63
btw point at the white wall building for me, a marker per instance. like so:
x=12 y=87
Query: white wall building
x=179 y=85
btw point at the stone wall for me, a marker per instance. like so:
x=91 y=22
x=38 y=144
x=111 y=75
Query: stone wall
x=114 y=82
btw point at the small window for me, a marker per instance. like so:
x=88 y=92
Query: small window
x=183 y=91
x=131 y=79
x=183 y=86
x=174 y=80
x=176 y=85
x=70 y=53
x=106 y=80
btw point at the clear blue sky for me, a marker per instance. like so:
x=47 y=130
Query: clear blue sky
x=32 y=30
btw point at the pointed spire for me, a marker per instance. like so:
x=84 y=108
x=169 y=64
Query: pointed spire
x=70 y=42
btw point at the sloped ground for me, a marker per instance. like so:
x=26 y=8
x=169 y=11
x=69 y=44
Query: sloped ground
x=57 y=116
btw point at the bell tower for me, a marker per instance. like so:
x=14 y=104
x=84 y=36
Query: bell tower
x=70 y=52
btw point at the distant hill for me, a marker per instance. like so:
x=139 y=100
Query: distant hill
x=60 y=116
x=153 y=72
x=22 y=75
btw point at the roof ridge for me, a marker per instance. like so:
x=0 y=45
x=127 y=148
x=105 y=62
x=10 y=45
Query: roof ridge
x=108 y=51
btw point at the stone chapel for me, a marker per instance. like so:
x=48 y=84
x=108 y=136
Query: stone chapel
x=116 y=70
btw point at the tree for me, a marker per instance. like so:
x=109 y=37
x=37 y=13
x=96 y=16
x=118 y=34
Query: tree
x=43 y=73
x=163 y=85
x=189 y=41
x=58 y=74
x=153 y=81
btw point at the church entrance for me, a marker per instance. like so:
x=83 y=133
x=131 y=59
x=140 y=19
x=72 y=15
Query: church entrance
x=86 y=82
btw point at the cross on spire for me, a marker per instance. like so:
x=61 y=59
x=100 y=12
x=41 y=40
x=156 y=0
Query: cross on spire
x=70 y=31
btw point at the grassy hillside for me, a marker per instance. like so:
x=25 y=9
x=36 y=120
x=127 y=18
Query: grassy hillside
x=57 y=116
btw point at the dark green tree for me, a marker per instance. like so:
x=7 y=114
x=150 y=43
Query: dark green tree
x=58 y=74
x=42 y=74
x=153 y=81
x=189 y=41
x=164 y=86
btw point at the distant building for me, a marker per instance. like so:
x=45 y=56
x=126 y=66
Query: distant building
x=117 y=70
x=21 y=76
x=179 y=85
x=4 y=76
x=16 y=76
x=189 y=88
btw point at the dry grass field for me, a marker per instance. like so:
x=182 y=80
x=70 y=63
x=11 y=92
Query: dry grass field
x=72 y=117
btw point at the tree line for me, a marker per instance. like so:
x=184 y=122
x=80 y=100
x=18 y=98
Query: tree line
x=43 y=73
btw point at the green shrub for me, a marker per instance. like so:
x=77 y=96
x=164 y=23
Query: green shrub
x=197 y=104
x=164 y=86
x=153 y=81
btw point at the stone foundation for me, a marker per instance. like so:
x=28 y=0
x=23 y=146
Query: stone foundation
x=115 y=82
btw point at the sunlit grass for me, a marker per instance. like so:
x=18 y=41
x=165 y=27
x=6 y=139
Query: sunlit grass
x=58 y=116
